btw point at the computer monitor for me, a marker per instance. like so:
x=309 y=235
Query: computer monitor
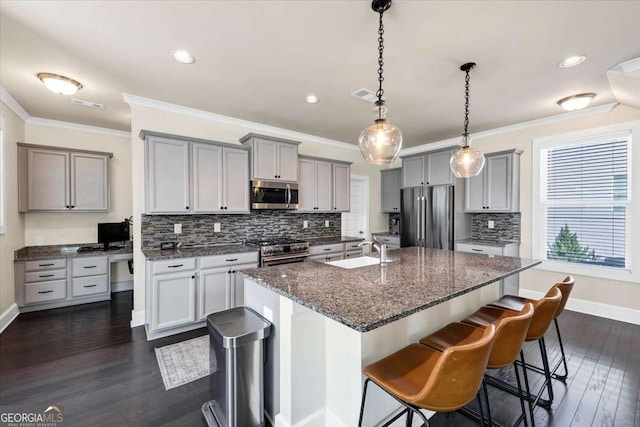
x=112 y=232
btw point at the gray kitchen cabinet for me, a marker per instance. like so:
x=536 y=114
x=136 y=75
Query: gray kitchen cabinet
x=173 y=300
x=327 y=257
x=306 y=185
x=509 y=285
x=236 y=180
x=214 y=291
x=438 y=171
x=497 y=188
x=272 y=159
x=390 y=186
x=341 y=187
x=392 y=242
x=168 y=175
x=59 y=179
x=413 y=171
x=207 y=178
x=323 y=186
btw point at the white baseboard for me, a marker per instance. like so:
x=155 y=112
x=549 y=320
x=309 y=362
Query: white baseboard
x=127 y=285
x=137 y=318
x=325 y=418
x=607 y=311
x=8 y=316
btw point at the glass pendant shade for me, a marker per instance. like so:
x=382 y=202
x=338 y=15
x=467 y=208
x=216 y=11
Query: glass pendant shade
x=380 y=143
x=466 y=162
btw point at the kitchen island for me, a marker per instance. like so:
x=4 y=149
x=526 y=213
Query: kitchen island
x=330 y=322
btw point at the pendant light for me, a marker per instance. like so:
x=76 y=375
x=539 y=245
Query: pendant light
x=467 y=161
x=380 y=142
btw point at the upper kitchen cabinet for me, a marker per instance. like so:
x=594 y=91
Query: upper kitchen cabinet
x=189 y=175
x=497 y=187
x=324 y=185
x=390 y=186
x=428 y=169
x=272 y=159
x=60 y=179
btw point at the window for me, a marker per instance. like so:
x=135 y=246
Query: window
x=582 y=204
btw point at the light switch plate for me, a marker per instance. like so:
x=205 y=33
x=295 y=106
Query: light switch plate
x=326 y=222
x=177 y=228
x=305 y=224
x=216 y=227
x=491 y=224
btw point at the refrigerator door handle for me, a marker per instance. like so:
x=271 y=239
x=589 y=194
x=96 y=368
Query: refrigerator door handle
x=419 y=221
x=425 y=222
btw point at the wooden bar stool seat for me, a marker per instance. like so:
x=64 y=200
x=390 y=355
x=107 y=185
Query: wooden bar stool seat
x=421 y=377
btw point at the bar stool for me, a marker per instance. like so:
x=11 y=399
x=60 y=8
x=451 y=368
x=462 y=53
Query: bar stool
x=511 y=329
x=513 y=302
x=544 y=312
x=420 y=377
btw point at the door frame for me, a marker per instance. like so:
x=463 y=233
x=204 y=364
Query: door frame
x=365 y=203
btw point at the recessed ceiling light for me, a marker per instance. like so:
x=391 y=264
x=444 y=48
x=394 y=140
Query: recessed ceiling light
x=183 y=56
x=59 y=84
x=311 y=99
x=572 y=61
x=576 y=102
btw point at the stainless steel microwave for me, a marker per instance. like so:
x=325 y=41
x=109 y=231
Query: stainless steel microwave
x=274 y=195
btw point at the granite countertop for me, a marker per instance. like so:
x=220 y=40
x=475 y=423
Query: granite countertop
x=30 y=253
x=188 y=252
x=369 y=297
x=332 y=239
x=497 y=243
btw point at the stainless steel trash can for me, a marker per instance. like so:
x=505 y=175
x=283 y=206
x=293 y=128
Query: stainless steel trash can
x=236 y=361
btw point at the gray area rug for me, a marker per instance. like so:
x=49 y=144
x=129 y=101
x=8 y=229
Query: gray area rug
x=183 y=362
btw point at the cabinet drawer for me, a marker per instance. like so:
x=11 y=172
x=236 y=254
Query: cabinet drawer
x=353 y=254
x=327 y=257
x=41 y=276
x=45 y=264
x=90 y=266
x=228 y=259
x=352 y=246
x=45 y=291
x=326 y=249
x=90 y=285
x=479 y=249
x=173 y=265
x=390 y=240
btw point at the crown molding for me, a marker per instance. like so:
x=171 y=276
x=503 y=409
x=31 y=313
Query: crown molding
x=13 y=105
x=77 y=126
x=512 y=128
x=219 y=118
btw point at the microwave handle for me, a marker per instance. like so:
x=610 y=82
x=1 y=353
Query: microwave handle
x=288 y=195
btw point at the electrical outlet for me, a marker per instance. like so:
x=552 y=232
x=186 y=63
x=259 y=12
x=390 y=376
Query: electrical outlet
x=326 y=223
x=305 y=224
x=39 y=240
x=491 y=224
x=177 y=228
x=216 y=227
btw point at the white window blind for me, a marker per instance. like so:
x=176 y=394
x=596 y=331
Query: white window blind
x=585 y=195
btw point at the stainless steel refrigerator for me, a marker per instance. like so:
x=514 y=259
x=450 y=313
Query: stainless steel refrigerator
x=427 y=217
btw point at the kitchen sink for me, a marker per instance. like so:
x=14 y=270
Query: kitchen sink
x=362 y=261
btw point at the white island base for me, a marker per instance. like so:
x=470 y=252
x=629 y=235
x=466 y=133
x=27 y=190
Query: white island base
x=313 y=371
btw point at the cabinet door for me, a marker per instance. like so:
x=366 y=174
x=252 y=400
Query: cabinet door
x=168 y=176
x=207 y=178
x=174 y=300
x=474 y=193
x=48 y=180
x=390 y=191
x=264 y=159
x=214 y=291
x=237 y=284
x=438 y=171
x=324 y=187
x=498 y=181
x=236 y=181
x=413 y=172
x=287 y=162
x=341 y=188
x=306 y=185
x=89 y=182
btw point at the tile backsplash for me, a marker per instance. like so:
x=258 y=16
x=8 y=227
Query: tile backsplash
x=507 y=226
x=197 y=230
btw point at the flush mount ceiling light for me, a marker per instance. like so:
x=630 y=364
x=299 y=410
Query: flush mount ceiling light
x=311 y=99
x=467 y=161
x=576 y=102
x=380 y=142
x=183 y=56
x=59 y=84
x=572 y=61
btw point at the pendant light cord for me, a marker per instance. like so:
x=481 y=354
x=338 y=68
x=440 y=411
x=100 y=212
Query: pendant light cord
x=380 y=91
x=466 y=107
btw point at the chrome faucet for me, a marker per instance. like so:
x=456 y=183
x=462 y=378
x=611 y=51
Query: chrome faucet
x=379 y=246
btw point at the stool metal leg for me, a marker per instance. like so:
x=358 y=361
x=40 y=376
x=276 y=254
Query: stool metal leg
x=564 y=357
x=409 y=418
x=409 y=409
x=528 y=390
x=521 y=396
x=364 y=397
x=486 y=399
x=547 y=372
x=480 y=409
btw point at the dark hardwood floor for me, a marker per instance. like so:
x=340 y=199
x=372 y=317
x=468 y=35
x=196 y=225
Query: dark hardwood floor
x=88 y=360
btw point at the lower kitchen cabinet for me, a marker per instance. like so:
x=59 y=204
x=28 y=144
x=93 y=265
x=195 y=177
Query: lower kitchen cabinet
x=173 y=300
x=214 y=291
x=509 y=285
x=392 y=241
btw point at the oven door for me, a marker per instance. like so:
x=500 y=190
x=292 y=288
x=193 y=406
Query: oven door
x=283 y=259
x=274 y=195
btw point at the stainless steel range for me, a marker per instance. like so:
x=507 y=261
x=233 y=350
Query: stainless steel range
x=281 y=251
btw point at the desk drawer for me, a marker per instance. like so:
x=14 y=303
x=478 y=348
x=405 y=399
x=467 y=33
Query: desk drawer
x=228 y=259
x=42 y=276
x=173 y=265
x=90 y=266
x=90 y=285
x=45 y=291
x=45 y=264
x=326 y=249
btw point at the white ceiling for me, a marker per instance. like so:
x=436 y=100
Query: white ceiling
x=257 y=60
